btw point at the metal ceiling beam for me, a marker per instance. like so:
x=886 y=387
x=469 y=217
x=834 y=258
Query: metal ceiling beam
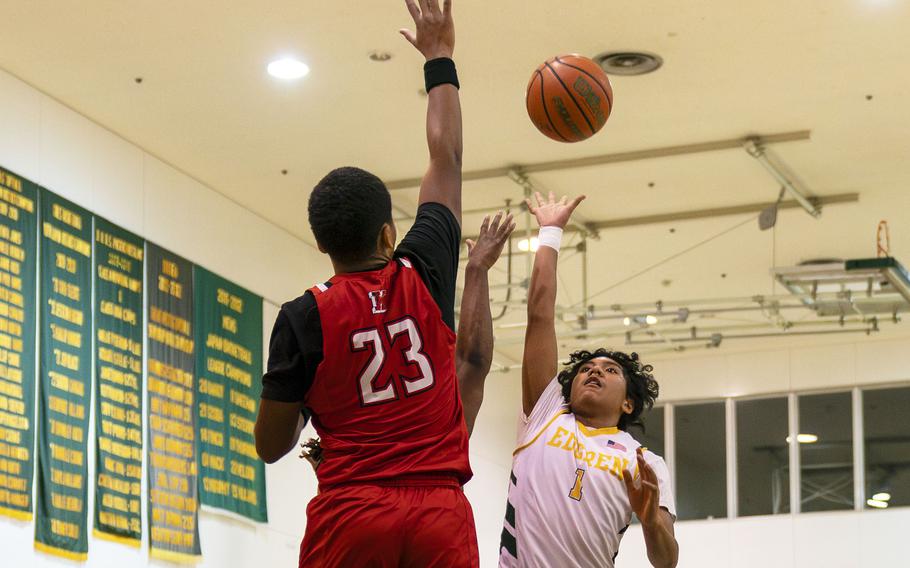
x=721 y=211
x=756 y=149
x=634 y=155
x=596 y=226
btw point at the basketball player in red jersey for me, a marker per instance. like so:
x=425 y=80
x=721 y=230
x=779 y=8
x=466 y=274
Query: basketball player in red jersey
x=369 y=355
x=474 y=346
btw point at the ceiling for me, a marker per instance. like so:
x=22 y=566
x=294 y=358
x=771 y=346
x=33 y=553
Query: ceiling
x=731 y=69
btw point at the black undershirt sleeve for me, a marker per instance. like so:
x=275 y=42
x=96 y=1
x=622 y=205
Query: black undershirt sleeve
x=295 y=351
x=433 y=245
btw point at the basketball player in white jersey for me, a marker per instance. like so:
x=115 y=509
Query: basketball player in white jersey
x=577 y=475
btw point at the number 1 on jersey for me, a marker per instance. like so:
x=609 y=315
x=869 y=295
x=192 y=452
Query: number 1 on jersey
x=370 y=339
x=575 y=493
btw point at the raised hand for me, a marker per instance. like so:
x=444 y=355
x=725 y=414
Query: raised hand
x=485 y=251
x=435 y=31
x=552 y=213
x=645 y=498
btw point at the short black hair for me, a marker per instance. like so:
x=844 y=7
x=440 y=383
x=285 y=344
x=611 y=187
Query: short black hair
x=347 y=210
x=641 y=386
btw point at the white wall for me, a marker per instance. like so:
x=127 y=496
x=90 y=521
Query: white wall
x=53 y=146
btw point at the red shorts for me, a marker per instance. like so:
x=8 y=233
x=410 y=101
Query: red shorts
x=379 y=526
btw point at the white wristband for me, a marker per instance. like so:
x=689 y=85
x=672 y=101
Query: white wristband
x=549 y=237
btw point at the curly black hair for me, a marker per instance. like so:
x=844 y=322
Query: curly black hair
x=347 y=209
x=641 y=386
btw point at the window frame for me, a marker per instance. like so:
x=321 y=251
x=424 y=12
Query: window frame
x=858 y=431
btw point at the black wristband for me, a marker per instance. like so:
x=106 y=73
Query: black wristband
x=440 y=71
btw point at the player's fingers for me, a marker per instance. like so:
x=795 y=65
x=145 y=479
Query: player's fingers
x=507 y=225
x=424 y=6
x=531 y=209
x=552 y=197
x=470 y=245
x=576 y=201
x=494 y=226
x=627 y=479
x=647 y=472
x=433 y=5
x=540 y=201
x=650 y=474
x=413 y=9
x=649 y=485
x=447 y=8
x=564 y=200
x=409 y=35
x=484 y=225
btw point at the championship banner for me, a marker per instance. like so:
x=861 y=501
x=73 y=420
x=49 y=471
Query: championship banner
x=18 y=263
x=118 y=383
x=65 y=377
x=173 y=489
x=228 y=367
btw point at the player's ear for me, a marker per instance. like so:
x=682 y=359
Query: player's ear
x=628 y=406
x=387 y=236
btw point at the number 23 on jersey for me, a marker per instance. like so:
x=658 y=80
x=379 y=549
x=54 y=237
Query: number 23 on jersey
x=371 y=339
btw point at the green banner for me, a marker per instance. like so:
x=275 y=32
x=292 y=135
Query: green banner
x=65 y=377
x=18 y=263
x=228 y=367
x=118 y=383
x=173 y=489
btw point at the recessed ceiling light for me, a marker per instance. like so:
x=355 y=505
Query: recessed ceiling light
x=650 y=320
x=884 y=496
x=877 y=504
x=628 y=62
x=288 y=68
x=627 y=321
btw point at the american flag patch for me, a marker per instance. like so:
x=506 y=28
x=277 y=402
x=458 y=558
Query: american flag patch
x=616 y=445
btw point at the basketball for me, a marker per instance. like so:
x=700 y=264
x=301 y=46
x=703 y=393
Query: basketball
x=569 y=98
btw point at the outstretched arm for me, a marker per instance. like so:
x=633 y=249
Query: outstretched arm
x=434 y=37
x=539 y=362
x=474 y=347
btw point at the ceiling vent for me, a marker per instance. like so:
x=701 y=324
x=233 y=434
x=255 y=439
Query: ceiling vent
x=628 y=62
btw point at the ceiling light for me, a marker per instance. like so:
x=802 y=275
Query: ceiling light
x=804 y=438
x=877 y=504
x=288 y=68
x=627 y=321
x=882 y=496
x=650 y=320
x=524 y=245
x=628 y=62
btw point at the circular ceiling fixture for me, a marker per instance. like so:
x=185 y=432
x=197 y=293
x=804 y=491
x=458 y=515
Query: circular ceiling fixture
x=380 y=56
x=628 y=62
x=288 y=68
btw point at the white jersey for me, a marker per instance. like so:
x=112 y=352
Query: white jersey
x=568 y=506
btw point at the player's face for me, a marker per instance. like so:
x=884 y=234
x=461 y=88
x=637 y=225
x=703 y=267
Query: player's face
x=599 y=388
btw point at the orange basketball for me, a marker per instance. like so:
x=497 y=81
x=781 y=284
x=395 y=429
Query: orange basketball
x=569 y=98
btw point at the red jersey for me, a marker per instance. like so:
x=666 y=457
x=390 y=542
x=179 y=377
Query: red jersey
x=385 y=398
